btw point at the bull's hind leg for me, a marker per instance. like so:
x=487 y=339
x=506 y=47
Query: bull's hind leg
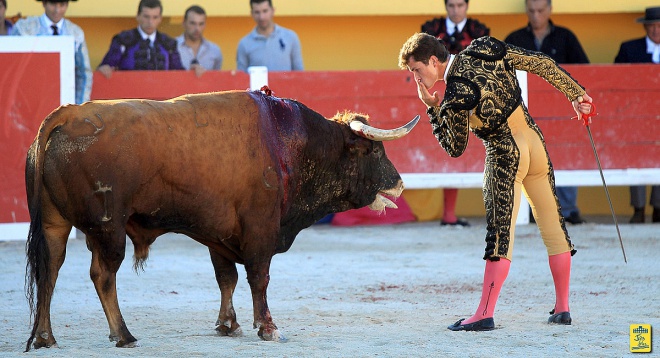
x=258 y=277
x=107 y=255
x=45 y=255
x=227 y=277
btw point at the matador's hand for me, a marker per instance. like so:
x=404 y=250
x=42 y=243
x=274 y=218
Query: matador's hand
x=582 y=105
x=430 y=100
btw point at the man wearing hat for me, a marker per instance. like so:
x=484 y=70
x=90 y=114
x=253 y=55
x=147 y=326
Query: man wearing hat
x=53 y=23
x=644 y=50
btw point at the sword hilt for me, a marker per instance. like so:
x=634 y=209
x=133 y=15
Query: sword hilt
x=586 y=117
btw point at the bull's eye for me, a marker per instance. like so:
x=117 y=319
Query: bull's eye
x=378 y=148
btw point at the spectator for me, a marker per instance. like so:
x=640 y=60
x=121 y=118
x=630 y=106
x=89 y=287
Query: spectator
x=561 y=45
x=482 y=98
x=142 y=48
x=5 y=25
x=197 y=53
x=456 y=32
x=53 y=23
x=644 y=50
x=269 y=44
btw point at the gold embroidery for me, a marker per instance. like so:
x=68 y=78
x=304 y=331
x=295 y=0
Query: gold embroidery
x=546 y=68
x=482 y=93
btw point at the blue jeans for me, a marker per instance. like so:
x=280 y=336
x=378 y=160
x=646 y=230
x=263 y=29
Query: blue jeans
x=567 y=196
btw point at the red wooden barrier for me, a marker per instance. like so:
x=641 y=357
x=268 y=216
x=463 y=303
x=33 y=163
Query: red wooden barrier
x=30 y=90
x=627 y=130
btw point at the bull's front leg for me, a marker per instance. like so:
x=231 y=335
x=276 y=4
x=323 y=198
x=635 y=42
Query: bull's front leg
x=258 y=277
x=227 y=277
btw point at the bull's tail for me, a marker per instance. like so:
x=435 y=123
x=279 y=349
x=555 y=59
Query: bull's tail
x=37 y=270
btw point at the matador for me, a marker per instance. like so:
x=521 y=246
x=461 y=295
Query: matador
x=483 y=96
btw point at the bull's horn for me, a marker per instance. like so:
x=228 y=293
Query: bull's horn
x=373 y=133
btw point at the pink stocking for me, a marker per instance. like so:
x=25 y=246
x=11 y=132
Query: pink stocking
x=449 y=211
x=494 y=276
x=560 y=266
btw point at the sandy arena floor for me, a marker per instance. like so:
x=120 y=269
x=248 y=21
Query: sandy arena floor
x=387 y=291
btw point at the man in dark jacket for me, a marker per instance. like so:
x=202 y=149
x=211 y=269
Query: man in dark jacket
x=561 y=45
x=456 y=31
x=142 y=48
x=647 y=48
x=644 y=50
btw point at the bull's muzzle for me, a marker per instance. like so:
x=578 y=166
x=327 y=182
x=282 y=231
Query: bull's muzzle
x=381 y=202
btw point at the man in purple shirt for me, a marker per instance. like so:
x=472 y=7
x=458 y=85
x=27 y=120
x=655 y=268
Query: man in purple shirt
x=142 y=48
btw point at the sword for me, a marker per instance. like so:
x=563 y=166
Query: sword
x=586 y=121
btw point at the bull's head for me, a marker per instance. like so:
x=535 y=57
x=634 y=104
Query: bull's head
x=377 y=134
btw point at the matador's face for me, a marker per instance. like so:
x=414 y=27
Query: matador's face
x=427 y=74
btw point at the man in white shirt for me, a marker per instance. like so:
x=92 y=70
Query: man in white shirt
x=53 y=23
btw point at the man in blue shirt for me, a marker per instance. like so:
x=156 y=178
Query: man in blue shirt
x=269 y=45
x=197 y=53
x=53 y=23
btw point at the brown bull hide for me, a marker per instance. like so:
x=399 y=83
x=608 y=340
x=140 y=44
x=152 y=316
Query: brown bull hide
x=239 y=172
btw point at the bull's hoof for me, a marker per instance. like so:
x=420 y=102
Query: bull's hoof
x=124 y=344
x=273 y=335
x=45 y=344
x=44 y=340
x=225 y=331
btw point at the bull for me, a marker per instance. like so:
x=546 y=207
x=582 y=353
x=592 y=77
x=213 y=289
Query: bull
x=240 y=172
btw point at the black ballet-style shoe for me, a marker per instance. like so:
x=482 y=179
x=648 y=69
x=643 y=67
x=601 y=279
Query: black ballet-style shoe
x=638 y=217
x=486 y=324
x=560 y=318
x=458 y=222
